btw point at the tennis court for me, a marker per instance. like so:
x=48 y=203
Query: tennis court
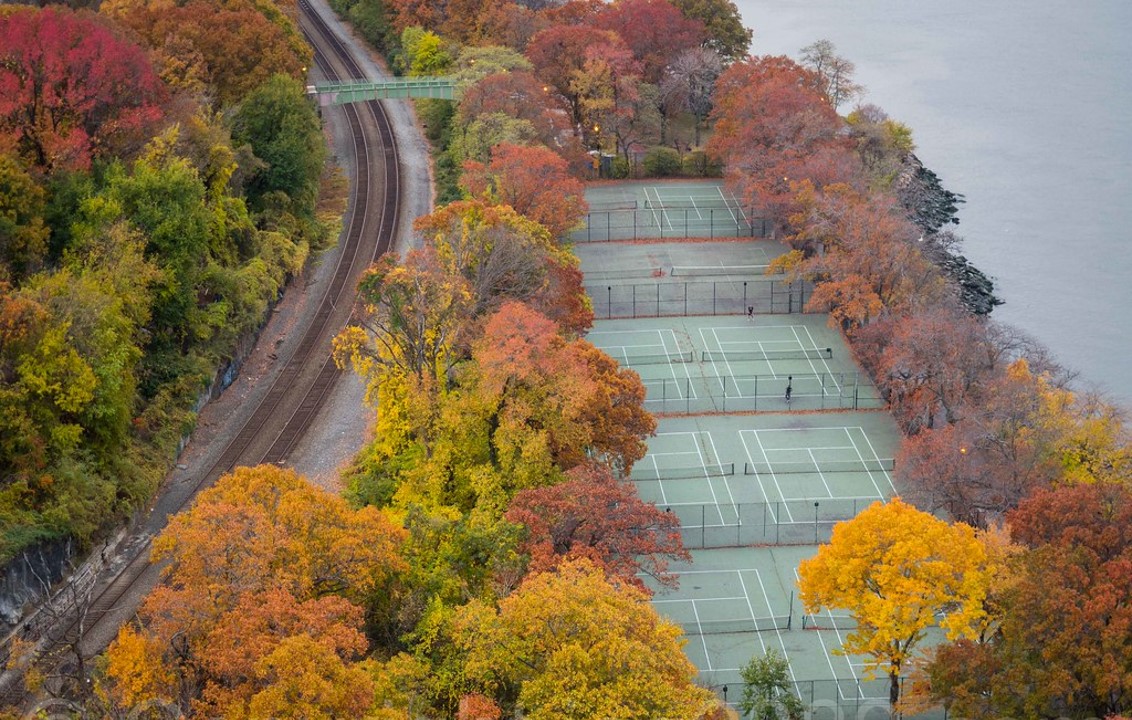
x=727 y=364
x=737 y=603
x=768 y=479
x=686 y=209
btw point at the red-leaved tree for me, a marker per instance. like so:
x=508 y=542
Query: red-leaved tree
x=596 y=516
x=70 y=88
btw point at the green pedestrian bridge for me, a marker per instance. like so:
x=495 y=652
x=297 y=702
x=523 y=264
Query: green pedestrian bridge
x=342 y=93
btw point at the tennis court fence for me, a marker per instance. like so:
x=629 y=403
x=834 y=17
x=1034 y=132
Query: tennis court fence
x=748 y=393
x=670 y=298
x=706 y=526
x=610 y=223
x=737 y=625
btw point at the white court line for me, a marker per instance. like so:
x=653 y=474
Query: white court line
x=711 y=487
x=773 y=476
x=825 y=650
x=726 y=483
x=703 y=638
x=880 y=494
x=696 y=208
x=671 y=601
x=785 y=654
x=750 y=459
x=823 y=360
x=659 y=482
x=727 y=205
x=794 y=329
x=828 y=492
x=726 y=362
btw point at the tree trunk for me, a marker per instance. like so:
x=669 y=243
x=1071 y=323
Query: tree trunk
x=893 y=690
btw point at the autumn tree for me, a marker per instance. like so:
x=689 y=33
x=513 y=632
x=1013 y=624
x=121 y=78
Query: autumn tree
x=689 y=84
x=723 y=26
x=1060 y=645
x=223 y=50
x=858 y=249
x=571 y=643
x=415 y=312
x=258 y=611
x=896 y=570
x=499 y=252
x=519 y=95
x=532 y=180
x=832 y=74
x=596 y=516
x=936 y=361
x=772 y=129
x=23 y=235
x=567 y=395
x=559 y=54
x=655 y=31
x=70 y=89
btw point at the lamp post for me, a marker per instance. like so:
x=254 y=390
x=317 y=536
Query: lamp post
x=815 y=522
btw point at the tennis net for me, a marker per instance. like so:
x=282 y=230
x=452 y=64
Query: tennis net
x=747 y=270
x=740 y=355
x=683 y=473
x=658 y=358
x=613 y=205
x=737 y=625
x=786 y=468
x=707 y=203
x=829 y=622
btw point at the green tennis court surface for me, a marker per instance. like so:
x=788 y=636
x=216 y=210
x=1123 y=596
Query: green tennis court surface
x=736 y=364
x=686 y=209
x=769 y=479
x=737 y=603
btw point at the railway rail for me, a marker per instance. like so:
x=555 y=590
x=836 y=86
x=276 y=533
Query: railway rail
x=297 y=392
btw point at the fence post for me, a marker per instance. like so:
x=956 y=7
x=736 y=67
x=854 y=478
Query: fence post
x=703 y=525
x=658 y=299
x=685 y=222
x=711 y=223
x=738 y=524
x=713 y=290
x=744 y=295
x=634 y=299
x=756 y=391
x=608 y=227
x=609 y=301
x=685 y=299
x=777 y=521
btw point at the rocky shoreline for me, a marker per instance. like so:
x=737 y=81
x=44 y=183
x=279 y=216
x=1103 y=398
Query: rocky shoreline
x=932 y=208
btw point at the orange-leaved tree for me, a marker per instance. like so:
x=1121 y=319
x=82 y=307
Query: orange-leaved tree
x=261 y=582
x=571 y=397
x=535 y=181
x=897 y=570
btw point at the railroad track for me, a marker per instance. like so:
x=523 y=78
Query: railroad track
x=308 y=374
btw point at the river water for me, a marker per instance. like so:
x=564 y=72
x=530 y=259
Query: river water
x=1024 y=106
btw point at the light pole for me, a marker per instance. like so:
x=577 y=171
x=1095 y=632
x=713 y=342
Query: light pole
x=815 y=522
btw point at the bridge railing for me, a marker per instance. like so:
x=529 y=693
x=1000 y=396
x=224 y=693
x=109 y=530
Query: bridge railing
x=341 y=93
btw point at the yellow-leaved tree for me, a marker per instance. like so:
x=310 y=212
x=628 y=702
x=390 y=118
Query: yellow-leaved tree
x=573 y=644
x=899 y=571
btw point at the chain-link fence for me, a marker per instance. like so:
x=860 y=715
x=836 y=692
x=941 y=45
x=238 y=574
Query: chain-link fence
x=700 y=297
x=790 y=522
x=668 y=222
x=728 y=393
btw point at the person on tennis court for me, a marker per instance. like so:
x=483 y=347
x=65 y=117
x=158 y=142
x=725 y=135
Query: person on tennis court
x=789 y=386
x=751 y=313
